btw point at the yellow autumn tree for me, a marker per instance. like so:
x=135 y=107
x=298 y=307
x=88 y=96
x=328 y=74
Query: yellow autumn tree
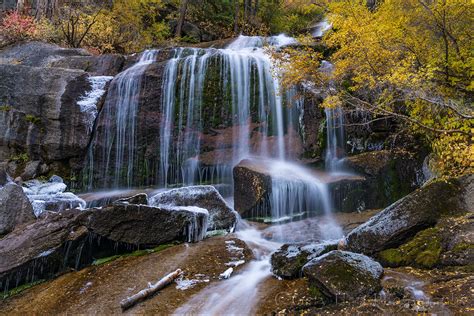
x=411 y=60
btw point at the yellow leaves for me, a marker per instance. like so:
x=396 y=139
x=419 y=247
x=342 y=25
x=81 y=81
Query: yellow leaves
x=332 y=102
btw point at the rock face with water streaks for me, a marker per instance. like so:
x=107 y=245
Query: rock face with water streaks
x=73 y=239
x=413 y=213
x=344 y=275
x=221 y=215
x=15 y=208
x=288 y=261
x=43 y=129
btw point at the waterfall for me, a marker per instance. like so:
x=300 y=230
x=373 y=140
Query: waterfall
x=335 y=138
x=251 y=99
x=120 y=112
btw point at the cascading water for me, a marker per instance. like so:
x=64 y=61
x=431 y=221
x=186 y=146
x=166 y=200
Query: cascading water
x=251 y=99
x=120 y=110
x=335 y=138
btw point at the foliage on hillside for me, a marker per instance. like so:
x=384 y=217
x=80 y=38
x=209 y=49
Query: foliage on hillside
x=132 y=25
x=411 y=60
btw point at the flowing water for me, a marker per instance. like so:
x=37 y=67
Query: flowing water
x=237 y=83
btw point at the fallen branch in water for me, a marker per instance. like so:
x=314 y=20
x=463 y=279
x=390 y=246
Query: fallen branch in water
x=150 y=290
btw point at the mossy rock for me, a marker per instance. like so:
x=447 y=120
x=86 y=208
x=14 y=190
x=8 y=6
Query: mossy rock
x=344 y=275
x=448 y=243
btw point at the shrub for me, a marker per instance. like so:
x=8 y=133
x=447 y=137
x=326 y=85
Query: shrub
x=17 y=27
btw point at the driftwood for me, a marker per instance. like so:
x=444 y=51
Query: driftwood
x=150 y=290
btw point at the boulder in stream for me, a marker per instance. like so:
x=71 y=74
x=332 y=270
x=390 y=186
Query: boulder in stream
x=221 y=215
x=288 y=261
x=15 y=208
x=342 y=275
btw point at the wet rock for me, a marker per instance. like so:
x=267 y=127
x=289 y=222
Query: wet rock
x=288 y=261
x=141 y=198
x=15 y=208
x=417 y=211
x=149 y=226
x=221 y=215
x=344 y=275
x=73 y=239
x=449 y=243
x=252 y=187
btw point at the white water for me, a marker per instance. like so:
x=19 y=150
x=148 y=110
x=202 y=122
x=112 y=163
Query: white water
x=320 y=28
x=120 y=110
x=237 y=294
x=245 y=75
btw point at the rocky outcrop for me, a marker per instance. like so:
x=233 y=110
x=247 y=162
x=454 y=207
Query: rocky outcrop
x=73 y=239
x=221 y=216
x=415 y=212
x=344 y=275
x=449 y=243
x=15 y=208
x=48 y=104
x=40 y=119
x=288 y=261
x=38 y=54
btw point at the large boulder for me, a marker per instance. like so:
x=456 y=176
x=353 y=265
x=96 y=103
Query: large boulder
x=344 y=275
x=221 y=215
x=415 y=212
x=73 y=239
x=449 y=243
x=15 y=208
x=288 y=261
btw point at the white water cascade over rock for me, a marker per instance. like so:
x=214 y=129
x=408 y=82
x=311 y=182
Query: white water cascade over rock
x=121 y=106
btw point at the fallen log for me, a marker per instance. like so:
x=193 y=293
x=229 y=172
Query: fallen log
x=150 y=290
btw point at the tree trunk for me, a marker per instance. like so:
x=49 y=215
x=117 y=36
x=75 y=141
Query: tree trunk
x=182 y=14
x=150 y=290
x=46 y=8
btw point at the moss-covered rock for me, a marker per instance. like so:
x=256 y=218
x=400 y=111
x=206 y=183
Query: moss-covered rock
x=450 y=242
x=288 y=261
x=344 y=275
x=419 y=210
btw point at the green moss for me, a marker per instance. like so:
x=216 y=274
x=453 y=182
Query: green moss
x=422 y=251
x=315 y=292
x=461 y=247
x=32 y=119
x=5 y=108
x=137 y=253
x=19 y=289
x=21 y=158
